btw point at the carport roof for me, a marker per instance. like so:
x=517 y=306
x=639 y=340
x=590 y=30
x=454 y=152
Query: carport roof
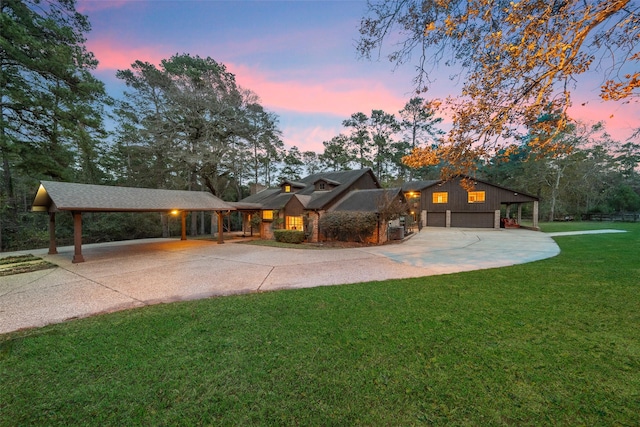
x=64 y=196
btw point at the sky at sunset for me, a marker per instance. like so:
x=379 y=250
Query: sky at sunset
x=298 y=56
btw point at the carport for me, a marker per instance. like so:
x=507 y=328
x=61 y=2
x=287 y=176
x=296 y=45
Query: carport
x=53 y=197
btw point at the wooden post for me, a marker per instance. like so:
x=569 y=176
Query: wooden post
x=535 y=214
x=77 y=237
x=214 y=224
x=220 y=228
x=52 y=234
x=183 y=232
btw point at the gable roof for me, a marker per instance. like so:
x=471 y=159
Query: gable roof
x=65 y=196
x=308 y=196
x=343 y=181
x=365 y=200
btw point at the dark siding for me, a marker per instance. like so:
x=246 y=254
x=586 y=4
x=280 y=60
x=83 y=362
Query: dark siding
x=293 y=207
x=494 y=197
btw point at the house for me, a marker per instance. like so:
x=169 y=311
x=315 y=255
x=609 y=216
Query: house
x=442 y=203
x=299 y=205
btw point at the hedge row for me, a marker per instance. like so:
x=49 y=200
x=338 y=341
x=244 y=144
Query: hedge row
x=289 y=236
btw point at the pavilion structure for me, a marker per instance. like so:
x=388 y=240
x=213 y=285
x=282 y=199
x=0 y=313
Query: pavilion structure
x=53 y=197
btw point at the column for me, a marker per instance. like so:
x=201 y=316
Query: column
x=220 y=228
x=52 y=234
x=183 y=220
x=496 y=218
x=519 y=213
x=535 y=214
x=448 y=218
x=77 y=237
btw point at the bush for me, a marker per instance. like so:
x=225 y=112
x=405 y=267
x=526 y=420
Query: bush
x=348 y=226
x=289 y=236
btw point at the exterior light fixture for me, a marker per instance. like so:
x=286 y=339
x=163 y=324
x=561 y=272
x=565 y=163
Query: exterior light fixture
x=174 y=212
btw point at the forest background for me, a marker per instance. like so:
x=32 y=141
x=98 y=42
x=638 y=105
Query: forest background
x=188 y=124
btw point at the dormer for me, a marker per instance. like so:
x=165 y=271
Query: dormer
x=324 y=184
x=288 y=186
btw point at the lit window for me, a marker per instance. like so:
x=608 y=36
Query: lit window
x=267 y=215
x=287 y=189
x=475 y=197
x=294 y=223
x=442 y=197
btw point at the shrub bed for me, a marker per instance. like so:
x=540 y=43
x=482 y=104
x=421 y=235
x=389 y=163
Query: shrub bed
x=348 y=226
x=289 y=236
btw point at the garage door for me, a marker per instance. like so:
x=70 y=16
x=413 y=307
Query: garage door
x=436 y=219
x=472 y=219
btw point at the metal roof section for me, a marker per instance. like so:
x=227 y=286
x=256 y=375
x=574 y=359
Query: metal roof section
x=55 y=196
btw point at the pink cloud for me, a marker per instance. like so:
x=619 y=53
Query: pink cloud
x=338 y=96
x=111 y=56
x=309 y=138
x=620 y=119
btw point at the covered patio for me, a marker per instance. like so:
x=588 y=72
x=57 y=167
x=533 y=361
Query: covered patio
x=53 y=197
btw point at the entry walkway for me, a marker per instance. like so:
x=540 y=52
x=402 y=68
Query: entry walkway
x=129 y=274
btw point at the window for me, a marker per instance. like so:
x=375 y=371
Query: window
x=287 y=188
x=267 y=215
x=294 y=223
x=475 y=196
x=442 y=197
x=321 y=186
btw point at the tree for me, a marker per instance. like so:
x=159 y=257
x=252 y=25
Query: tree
x=263 y=138
x=382 y=126
x=336 y=156
x=293 y=166
x=50 y=104
x=516 y=59
x=359 y=139
x=311 y=162
x=418 y=121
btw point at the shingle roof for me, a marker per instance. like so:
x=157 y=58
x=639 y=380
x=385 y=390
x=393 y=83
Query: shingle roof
x=365 y=200
x=102 y=198
x=261 y=196
x=310 y=198
x=319 y=199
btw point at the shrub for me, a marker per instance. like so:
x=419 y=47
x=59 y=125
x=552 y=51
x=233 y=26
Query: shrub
x=289 y=236
x=348 y=226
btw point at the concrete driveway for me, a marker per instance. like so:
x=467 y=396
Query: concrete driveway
x=129 y=274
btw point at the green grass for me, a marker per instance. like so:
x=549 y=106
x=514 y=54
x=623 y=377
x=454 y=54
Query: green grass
x=22 y=264
x=555 y=342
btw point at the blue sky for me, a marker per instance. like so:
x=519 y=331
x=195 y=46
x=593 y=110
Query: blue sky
x=298 y=56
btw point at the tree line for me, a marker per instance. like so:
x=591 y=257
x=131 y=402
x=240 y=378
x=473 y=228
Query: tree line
x=187 y=124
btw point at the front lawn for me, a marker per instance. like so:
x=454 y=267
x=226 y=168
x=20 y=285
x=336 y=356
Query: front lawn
x=555 y=342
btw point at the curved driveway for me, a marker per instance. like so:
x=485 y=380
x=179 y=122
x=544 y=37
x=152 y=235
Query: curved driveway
x=123 y=275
